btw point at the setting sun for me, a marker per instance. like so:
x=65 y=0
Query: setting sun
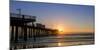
x=60 y=30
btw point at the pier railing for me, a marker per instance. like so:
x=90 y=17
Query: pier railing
x=21 y=16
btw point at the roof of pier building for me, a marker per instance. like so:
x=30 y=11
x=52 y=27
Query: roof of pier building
x=20 y=19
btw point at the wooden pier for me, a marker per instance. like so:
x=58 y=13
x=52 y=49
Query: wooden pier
x=23 y=29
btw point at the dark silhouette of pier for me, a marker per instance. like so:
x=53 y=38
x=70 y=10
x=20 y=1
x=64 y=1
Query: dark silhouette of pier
x=23 y=29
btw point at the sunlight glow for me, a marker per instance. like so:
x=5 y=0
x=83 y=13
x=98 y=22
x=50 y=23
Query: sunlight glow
x=60 y=30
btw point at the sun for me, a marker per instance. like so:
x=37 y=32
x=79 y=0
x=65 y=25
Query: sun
x=60 y=30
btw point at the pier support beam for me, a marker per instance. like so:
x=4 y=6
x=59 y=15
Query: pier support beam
x=25 y=33
x=12 y=33
x=16 y=34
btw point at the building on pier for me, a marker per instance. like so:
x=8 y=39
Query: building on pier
x=22 y=31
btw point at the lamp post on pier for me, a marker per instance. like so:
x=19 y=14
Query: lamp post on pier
x=19 y=11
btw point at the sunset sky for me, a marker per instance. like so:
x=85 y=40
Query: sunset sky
x=65 y=17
